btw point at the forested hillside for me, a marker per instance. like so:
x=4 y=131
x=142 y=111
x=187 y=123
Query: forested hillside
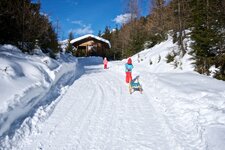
x=203 y=19
x=22 y=24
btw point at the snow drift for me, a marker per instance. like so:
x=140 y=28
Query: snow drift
x=29 y=82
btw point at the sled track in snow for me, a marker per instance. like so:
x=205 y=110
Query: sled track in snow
x=104 y=117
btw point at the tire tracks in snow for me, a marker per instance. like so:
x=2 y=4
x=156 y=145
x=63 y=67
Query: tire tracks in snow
x=105 y=116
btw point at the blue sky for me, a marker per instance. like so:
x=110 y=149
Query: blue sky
x=85 y=16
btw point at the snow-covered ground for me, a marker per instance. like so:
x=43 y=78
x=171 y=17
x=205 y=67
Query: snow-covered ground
x=74 y=103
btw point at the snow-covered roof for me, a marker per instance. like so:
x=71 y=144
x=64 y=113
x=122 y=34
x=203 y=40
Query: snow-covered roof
x=92 y=36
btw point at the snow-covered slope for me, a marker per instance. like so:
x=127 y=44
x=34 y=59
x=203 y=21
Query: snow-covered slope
x=82 y=106
x=193 y=105
x=28 y=83
x=155 y=58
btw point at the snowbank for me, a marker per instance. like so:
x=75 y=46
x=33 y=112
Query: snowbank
x=29 y=82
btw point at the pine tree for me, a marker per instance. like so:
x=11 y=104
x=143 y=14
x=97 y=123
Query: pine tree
x=22 y=24
x=181 y=11
x=10 y=21
x=99 y=33
x=107 y=33
x=70 y=48
x=116 y=44
x=208 y=31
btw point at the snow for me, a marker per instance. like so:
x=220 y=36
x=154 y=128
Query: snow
x=93 y=36
x=64 y=44
x=27 y=83
x=73 y=103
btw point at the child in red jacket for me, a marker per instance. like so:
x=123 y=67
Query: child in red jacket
x=128 y=70
x=105 y=62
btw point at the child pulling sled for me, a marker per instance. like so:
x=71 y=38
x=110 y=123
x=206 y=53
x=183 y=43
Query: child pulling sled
x=128 y=69
x=133 y=83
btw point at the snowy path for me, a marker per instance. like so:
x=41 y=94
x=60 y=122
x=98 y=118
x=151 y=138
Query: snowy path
x=97 y=112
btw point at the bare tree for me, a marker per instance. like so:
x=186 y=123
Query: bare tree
x=157 y=12
x=133 y=9
x=181 y=19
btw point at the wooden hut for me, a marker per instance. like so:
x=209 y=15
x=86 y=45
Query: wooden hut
x=90 y=45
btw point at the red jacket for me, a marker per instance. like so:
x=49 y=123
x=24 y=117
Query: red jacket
x=105 y=61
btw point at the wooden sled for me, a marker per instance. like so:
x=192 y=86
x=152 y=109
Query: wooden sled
x=135 y=85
